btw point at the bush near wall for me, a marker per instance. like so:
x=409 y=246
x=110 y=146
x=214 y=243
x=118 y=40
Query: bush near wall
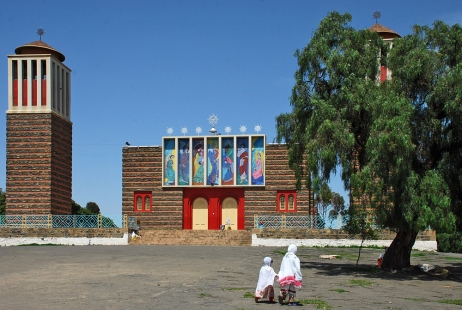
x=449 y=243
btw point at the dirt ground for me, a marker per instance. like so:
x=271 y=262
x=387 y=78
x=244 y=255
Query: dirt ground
x=215 y=277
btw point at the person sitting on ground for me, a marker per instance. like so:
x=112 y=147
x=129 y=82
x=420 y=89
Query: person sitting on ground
x=289 y=276
x=265 y=281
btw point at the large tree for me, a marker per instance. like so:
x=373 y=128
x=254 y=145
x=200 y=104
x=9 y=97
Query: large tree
x=398 y=142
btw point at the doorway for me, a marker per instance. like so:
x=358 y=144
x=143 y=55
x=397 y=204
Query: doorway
x=200 y=214
x=229 y=211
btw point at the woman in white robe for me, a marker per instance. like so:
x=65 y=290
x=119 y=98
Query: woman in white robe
x=265 y=282
x=290 y=276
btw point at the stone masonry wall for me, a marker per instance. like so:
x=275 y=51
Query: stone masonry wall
x=62 y=232
x=279 y=176
x=142 y=171
x=39 y=164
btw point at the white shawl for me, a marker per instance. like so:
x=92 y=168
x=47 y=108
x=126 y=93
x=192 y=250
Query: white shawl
x=290 y=268
x=266 y=276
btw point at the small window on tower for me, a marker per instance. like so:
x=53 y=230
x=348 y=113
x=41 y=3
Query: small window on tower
x=287 y=201
x=142 y=201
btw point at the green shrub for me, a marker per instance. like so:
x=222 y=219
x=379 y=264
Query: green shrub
x=449 y=243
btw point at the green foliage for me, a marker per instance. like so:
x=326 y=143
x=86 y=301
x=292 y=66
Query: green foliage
x=362 y=283
x=85 y=211
x=2 y=202
x=451 y=301
x=93 y=207
x=320 y=304
x=248 y=295
x=397 y=142
x=339 y=290
x=449 y=243
x=75 y=207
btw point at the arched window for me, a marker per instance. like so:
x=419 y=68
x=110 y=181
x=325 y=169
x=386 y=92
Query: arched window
x=282 y=202
x=139 y=203
x=147 y=203
x=291 y=206
x=142 y=202
x=286 y=201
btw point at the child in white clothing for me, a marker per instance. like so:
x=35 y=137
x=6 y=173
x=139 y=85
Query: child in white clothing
x=265 y=283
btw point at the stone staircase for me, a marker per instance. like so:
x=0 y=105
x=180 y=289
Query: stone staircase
x=194 y=237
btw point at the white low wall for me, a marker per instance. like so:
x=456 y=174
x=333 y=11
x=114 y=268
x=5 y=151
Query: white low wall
x=65 y=241
x=418 y=245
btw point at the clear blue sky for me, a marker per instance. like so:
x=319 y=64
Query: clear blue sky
x=139 y=67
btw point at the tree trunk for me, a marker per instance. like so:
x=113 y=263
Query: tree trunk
x=398 y=255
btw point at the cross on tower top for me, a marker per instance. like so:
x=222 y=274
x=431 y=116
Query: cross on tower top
x=40 y=32
x=376 y=15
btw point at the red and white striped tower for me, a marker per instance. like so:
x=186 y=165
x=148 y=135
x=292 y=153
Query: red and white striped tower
x=38 y=132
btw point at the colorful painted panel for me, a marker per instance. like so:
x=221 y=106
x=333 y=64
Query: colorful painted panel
x=183 y=162
x=242 y=161
x=227 y=155
x=198 y=162
x=258 y=156
x=169 y=162
x=213 y=173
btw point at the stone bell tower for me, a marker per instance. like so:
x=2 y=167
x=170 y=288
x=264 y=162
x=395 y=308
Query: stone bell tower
x=38 y=132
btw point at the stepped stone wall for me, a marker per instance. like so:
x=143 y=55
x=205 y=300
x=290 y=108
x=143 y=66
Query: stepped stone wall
x=62 y=232
x=142 y=171
x=195 y=237
x=39 y=164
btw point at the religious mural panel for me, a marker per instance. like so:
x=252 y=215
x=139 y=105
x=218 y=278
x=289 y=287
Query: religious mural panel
x=214 y=160
x=213 y=172
x=198 y=162
x=242 y=161
x=258 y=164
x=227 y=147
x=183 y=162
x=169 y=162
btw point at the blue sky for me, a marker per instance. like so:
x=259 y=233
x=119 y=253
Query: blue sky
x=139 y=67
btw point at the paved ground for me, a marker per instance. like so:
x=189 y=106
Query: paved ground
x=212 y=277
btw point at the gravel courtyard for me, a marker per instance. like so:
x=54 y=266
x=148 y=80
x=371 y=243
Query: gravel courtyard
x=215 y=277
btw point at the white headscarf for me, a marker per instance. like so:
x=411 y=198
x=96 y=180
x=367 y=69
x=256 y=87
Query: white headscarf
x=266 y=276
x=290 y=268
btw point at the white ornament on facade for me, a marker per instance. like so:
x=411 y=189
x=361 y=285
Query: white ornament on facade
x=184 y=130
x=228 y=129
x=198 y=130
x=213 y=120
x=258 y=128
x=243 y=129
x=169 y=130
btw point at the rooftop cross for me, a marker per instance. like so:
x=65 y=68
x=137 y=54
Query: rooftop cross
x=376 y=15
x=40 y=32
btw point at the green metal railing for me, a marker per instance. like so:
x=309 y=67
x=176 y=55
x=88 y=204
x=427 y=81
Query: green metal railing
x=289 y=221
x=64 y=221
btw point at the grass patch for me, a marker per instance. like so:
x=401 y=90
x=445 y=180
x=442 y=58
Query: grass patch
x=248 y=295
x=373 y=270
x=339 y=290
x=202 y=295
x=362 y=283
x=450 y=301
x=416 y=299
x=351 y=247
x=320 y=304
x=418 y=254
x=454 y=259
x=36 y=244
x=279 y=252
x=237 y=288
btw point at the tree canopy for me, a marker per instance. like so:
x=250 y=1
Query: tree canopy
x=90 y=209
x=398 y=142
x=2 y=201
